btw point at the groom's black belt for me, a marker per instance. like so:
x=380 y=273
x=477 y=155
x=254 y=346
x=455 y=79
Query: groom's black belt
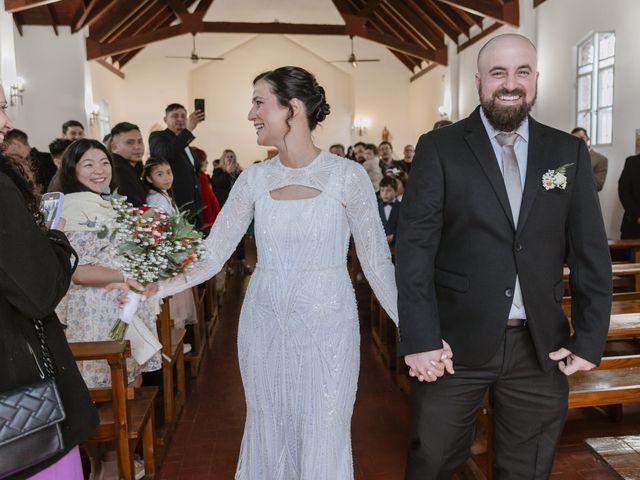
x=517 y=322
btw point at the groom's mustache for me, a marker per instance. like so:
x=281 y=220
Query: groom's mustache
x=515 y=91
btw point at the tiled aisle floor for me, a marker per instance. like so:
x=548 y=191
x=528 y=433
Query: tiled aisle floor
x=207 y=440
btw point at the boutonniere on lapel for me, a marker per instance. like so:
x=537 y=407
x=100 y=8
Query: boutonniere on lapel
x=556 y=178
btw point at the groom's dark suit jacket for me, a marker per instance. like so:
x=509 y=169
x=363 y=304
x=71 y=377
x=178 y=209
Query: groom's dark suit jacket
x=458 y=250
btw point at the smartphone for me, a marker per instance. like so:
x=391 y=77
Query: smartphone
x=198 y=104
x=51 y=207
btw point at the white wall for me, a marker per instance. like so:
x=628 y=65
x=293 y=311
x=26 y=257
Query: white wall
x=54 y=82
x=228 y=97
x=557 y=41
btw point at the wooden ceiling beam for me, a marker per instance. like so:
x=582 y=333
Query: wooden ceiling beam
x=422 y=28
x=344 y=7
x=97 y=50
x=14 y=6
x=17 y=19
x=178 y=7
x=401 y=46
x=142 y=24
x=125 y=58
x=426 y=12
x=54 y=18
x=110 y=67
x=275 y=27
x=203 y=6
x=105 y=30
x=369 y=9
x=404 y=31
x=407 y=60
x=507 y=12
x=93 y=13
x=452 y=14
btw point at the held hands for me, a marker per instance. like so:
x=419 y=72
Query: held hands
x=147 y=290
x=194 y=119
x=429 y=366
x=569 y=363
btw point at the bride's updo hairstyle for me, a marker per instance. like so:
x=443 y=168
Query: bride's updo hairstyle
x=288 y=83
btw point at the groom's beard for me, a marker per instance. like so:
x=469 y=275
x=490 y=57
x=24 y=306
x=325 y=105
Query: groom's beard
x=506 y=118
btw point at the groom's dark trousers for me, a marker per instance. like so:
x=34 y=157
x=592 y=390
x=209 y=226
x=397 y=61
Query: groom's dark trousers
x=458 y=254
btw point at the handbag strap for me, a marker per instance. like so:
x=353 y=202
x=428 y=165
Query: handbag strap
x=46 y=355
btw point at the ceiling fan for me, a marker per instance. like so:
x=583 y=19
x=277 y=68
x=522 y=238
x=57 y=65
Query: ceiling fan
x=352 y=57
x=194 y=57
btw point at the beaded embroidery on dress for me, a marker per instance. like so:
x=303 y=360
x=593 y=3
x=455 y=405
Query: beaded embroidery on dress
x=298 y=337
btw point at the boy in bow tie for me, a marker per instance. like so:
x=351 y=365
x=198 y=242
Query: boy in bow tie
x=389 y=208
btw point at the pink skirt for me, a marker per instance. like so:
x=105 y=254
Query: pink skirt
x=68 y=467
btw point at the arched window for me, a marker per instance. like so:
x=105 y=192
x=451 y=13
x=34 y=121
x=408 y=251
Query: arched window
x=594 y=105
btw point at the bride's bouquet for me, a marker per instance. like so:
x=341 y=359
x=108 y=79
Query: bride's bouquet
x=152 y=245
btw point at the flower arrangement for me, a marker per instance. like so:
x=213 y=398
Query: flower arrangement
x=556 y=178
x=152 y=245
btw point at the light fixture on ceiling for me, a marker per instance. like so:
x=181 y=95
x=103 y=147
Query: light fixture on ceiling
x=16 y=92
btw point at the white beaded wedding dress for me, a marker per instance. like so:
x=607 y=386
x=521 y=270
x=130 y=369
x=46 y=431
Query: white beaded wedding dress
x=298 y=337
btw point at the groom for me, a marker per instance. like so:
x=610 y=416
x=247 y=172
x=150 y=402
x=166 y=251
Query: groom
x=480 y=253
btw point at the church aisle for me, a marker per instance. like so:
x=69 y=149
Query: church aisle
x=207 y=440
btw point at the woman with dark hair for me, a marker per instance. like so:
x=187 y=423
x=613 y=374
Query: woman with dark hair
x=298 y=338
x=87 y=310
x=36 y=272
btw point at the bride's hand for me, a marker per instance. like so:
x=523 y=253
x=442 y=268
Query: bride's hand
x=148 y=290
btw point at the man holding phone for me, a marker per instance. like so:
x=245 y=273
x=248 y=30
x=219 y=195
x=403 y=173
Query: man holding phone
x=172 y=144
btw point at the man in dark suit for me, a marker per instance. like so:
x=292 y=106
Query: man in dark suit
x=173 y=145
x=127 y=150
x=480 y=253
x=629 y=193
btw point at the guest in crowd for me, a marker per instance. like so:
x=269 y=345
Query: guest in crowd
x=389 y=208
x=157 y=178
x=106 y=141
x=441 y=123
x=372 y=165
x=36 y=271
x=408 y=153
x=350 y=155
x=39 y=165
x=87 y=310
x=72 y=130
x=402 y=178
x=210 y=204
x=358 y=152
x=629 y=193
x=337 y=149
x=56 y=149
x=599 y=163
x=222 y=184
x=217 y=168
x=385 y=150
x=172 y=144
x=127 y=150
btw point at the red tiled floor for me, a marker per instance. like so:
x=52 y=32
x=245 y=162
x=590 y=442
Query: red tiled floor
x=207 y=440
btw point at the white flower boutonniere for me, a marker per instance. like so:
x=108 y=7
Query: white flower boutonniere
x=556 y=178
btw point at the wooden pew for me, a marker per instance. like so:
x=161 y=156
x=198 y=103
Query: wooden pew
x=126 y=415
x=212 y=304
x=174 y=389
x=633 y=246
x=199 y=343
x=621 y=454
x=625 y=276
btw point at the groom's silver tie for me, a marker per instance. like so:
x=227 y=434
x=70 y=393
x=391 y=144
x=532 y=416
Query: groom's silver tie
x=513 y=184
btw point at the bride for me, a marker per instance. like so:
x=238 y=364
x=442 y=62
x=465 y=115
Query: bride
x=298 y=337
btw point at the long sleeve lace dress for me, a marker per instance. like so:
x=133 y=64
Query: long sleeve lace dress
x=298 y=337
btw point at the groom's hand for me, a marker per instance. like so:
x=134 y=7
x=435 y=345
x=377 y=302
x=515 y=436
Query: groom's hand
x=428 y=366
x=569 y=363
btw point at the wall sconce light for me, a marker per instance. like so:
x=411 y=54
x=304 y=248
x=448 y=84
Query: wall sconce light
x=94 y=116
x=442 y=110
x=361 y=124
x=15 y=92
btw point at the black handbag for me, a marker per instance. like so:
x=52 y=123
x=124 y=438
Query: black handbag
x=30 y=418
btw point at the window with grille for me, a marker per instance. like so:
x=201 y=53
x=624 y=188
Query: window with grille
x=594 y=105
